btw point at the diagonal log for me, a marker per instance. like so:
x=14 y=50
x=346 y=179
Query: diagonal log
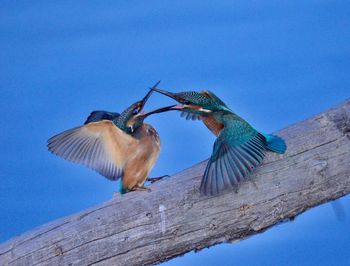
x=147 y=228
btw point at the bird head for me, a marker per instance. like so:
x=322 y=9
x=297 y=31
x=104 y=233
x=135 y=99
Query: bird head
x=134 y=116
x=202 y=102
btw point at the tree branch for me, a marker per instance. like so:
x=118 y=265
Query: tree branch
x=146 y=228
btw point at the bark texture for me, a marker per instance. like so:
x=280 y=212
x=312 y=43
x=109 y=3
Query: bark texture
x=147 y=228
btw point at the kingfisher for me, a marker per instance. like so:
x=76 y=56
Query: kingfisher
x=239 y=148
x=115 y=145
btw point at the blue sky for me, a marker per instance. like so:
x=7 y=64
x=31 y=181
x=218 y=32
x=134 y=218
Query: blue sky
x=273 y=62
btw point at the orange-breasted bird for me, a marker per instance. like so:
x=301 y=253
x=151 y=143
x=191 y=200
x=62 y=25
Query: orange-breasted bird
x=239 y=147
x=115 y=145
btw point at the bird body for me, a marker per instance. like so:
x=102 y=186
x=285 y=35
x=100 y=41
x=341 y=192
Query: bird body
x=141 y=157
x=238 y=149
x=115 y=145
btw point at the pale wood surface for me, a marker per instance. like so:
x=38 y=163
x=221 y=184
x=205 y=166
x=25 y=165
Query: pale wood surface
x=147 y=228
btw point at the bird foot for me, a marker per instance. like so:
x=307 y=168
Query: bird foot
x=144 y=189
x=155 y=179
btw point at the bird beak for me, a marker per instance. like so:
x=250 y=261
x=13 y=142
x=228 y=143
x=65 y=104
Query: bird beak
x=174 y=96
x=145 y=99
x=166 y=93
x=160 y=110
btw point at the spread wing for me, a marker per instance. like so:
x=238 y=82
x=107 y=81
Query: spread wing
x=238 y=149
x=100 y=146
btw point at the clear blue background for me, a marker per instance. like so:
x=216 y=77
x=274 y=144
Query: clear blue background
x=273 y=62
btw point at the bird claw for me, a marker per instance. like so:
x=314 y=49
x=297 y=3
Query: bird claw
x=144 y=189
x=155 y=179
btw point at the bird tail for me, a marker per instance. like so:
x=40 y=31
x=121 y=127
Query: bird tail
x=275 y=143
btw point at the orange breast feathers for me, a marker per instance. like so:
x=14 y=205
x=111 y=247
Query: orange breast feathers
x=213 y=125
x=141 y=157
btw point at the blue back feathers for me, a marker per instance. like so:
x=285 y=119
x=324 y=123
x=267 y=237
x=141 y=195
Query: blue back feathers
x=96 y=116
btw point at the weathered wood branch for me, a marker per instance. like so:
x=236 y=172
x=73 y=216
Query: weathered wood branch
x=147 y=228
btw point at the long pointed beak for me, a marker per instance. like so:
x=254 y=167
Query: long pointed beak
x=145 y=99
x=166 y=93
x=160 y=110
x=149 y=93
x=155 y=85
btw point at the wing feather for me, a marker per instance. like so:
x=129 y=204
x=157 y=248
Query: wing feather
x=100 y=146
x=237 y=151
x=190 y=116
x=231 y=171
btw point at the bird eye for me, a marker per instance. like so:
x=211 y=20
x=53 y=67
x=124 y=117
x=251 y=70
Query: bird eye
x=135 y=111
x=186 y=102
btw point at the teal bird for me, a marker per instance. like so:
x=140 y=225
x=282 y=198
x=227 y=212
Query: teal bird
x=115 y=145
x=238 y=149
